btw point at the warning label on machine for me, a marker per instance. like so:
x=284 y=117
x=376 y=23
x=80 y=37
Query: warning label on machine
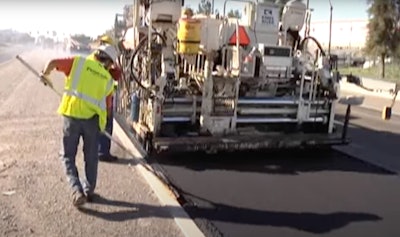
x=268 y=16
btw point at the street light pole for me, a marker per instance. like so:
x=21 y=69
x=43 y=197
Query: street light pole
x=308 y=15
x=330 y=28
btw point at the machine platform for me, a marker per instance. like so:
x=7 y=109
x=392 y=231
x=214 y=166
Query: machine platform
x=235 y=143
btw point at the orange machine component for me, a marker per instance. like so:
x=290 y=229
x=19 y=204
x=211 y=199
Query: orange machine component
x=243 y=37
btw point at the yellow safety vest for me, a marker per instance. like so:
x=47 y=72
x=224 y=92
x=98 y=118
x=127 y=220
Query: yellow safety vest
x=91 y=56
x=85 y=91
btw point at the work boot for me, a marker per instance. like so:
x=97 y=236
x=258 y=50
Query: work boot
x=91 y=196
x=78 y=199
x=108 y=158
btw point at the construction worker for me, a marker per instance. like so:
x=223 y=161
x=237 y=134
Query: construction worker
x=105 y=143
x=187 y=13
x=105 y=39
x=87 y=92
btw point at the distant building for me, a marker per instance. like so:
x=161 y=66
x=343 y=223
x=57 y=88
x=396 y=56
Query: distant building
x=346 y=34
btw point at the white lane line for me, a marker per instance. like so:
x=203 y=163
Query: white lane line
x=164 y=194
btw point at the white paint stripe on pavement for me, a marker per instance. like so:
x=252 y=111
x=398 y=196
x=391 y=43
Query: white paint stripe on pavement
x=164 y=194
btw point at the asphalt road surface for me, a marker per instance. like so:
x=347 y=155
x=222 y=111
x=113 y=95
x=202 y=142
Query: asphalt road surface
x=259 y=194
x=298 y=193
x=9 y=51
x=374 y=140
x=34 y=198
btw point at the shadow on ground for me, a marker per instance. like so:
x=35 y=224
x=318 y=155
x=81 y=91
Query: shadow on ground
x=286 y=162
x=310 y=222
x=276 y=162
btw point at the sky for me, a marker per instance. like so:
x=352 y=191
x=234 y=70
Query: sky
x=91 y=17
x=342 y=9
x=94 y=17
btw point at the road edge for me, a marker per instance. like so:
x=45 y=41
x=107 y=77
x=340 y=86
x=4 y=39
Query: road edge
x=353 y=88
x=342 y=149
x=6 y=62
x=164 y=194
x=375 y=163
x=12 y=59
x=359 y=92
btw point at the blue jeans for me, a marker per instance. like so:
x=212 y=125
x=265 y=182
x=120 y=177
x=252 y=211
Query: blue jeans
x=104 y=143
x=73 y=129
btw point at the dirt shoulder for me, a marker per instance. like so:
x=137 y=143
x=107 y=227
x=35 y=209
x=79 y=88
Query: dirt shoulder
x=35 y=199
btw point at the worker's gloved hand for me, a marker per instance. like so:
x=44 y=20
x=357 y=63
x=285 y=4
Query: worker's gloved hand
x=44 y=79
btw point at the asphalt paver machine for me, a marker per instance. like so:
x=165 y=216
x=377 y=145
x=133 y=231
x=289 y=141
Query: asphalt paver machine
x=195 y=82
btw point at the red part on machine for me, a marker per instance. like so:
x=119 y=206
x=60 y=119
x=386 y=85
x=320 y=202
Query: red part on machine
x=243 y=37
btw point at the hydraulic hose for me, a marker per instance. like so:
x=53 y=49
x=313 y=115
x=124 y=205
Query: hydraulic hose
x=141 y=44
x=315 y=40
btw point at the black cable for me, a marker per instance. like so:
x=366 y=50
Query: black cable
x=315 y=40
x=136 y=50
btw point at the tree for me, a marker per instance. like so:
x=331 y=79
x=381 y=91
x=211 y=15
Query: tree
x=84 y=39
x=204 y=7
x=383 y=36
x=234 y=13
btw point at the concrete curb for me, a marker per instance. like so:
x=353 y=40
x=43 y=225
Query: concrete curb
x=350 y=87
x=164 y=194
x=377 y=84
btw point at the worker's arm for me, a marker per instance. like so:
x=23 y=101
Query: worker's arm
x=116 y=72
x=109 y=103
x=60 y=64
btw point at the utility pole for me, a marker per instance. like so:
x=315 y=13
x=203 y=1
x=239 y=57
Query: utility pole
x=308 y=15
x=330 y=28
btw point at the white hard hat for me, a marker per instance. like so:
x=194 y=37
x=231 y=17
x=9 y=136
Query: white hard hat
x=110 y=51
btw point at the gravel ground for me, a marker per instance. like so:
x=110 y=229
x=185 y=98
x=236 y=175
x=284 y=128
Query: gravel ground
x=34 y=198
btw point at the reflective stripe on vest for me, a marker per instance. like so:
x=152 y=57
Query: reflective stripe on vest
x=74 y=85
